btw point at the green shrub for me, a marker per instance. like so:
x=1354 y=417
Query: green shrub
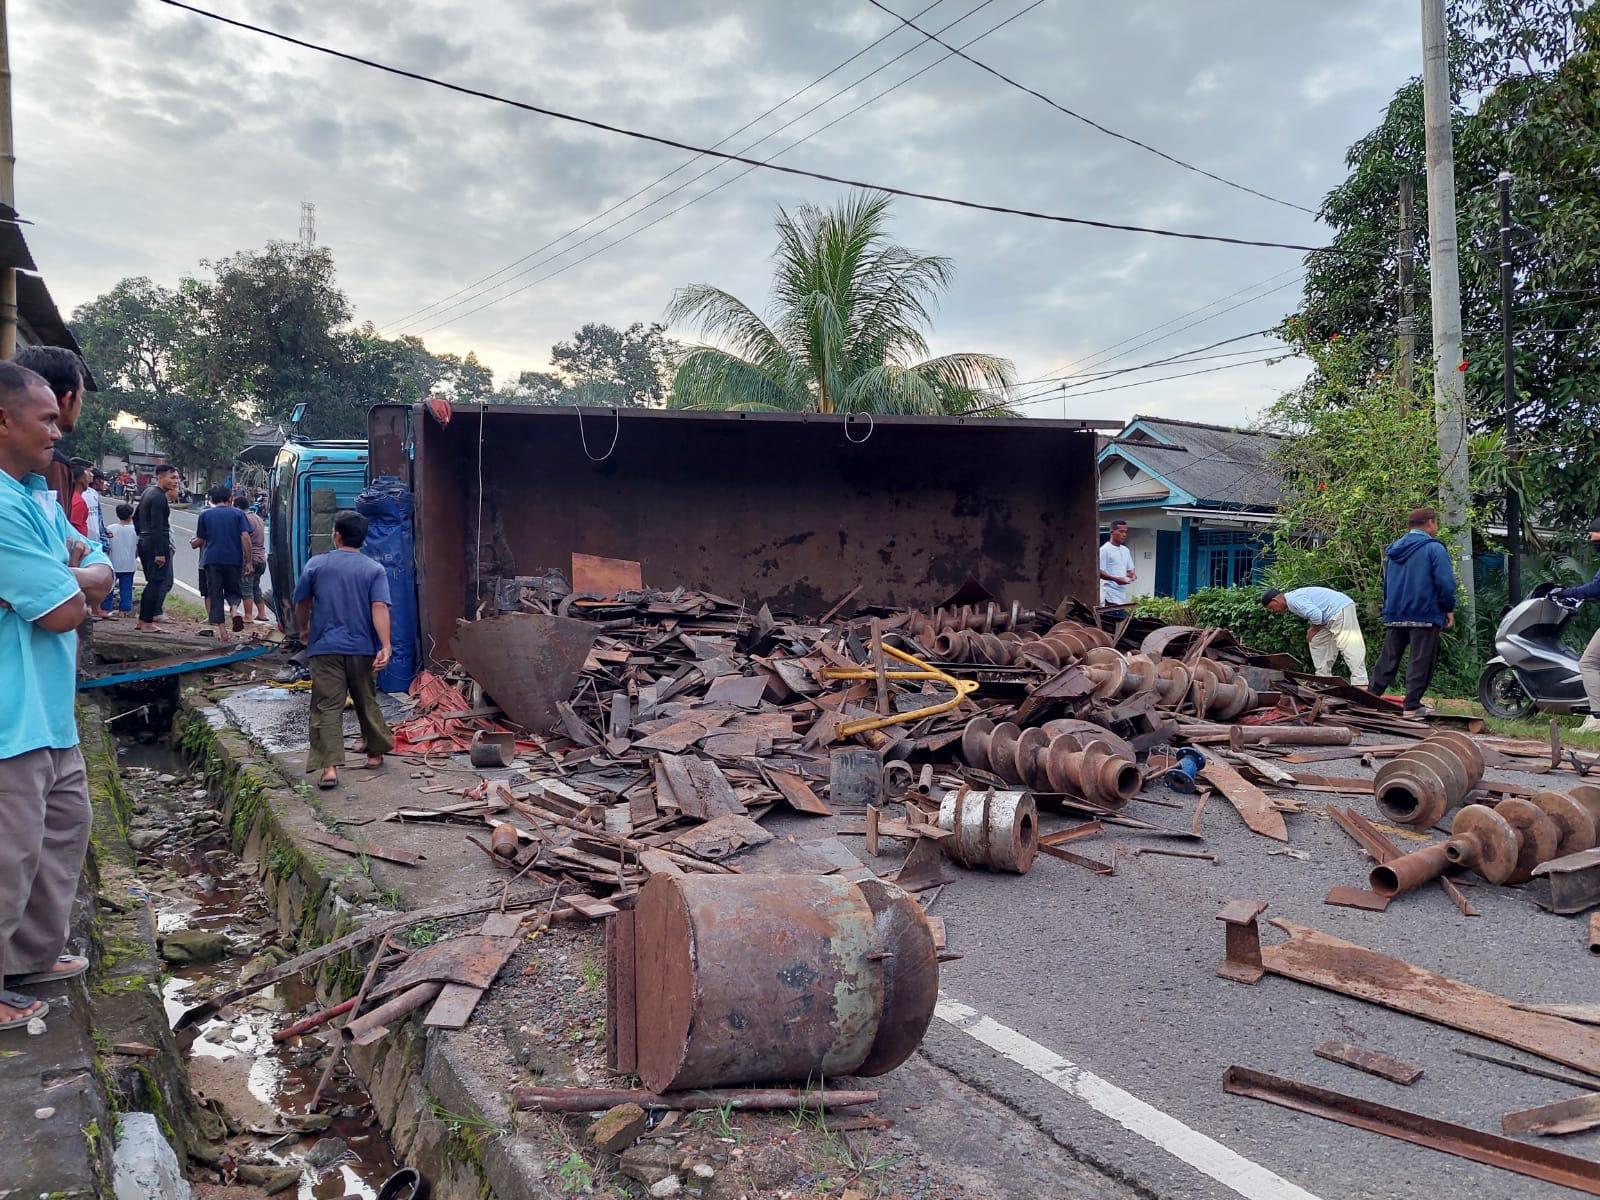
x=1240 y=612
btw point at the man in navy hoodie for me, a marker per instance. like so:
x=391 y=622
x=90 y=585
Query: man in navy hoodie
x=1419 y=601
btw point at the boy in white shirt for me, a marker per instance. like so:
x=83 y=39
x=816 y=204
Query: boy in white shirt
x=124 y=550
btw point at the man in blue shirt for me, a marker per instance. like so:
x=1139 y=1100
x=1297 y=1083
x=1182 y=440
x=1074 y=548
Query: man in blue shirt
x=222 y=535
x=50 y=581
x=1334 y=628
x=342 y=599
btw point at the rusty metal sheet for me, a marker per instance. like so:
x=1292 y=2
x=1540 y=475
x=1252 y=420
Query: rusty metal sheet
x=1354 y=897
x=598 y=576
x=1474 y=1144
x=333 y=841
x=741 y=691
x=529 y=663
x=1250 y=801
x=721 y=836
x=473 y=959
x=798 y=795
x=1311 y=956
x=1372 y=1062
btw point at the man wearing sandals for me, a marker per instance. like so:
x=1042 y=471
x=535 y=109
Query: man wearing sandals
x=342 y=598
x=50 y=582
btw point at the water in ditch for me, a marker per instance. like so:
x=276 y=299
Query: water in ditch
x=256 y=1089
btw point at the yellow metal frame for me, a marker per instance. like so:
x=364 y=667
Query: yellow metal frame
x=963 y=687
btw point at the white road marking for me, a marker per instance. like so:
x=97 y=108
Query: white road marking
x=1232 y=1170
x=188 y=588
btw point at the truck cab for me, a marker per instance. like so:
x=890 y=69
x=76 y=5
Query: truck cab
x=308 y=485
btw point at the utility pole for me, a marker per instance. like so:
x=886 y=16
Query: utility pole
x=1513 y=495
x=8 y=193
x=308 y=219
x=1449 y=385
x=1408 y=297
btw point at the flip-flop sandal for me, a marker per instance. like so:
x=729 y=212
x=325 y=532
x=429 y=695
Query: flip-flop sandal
x=78 y=967
x=26 y=1004
x=327 y=785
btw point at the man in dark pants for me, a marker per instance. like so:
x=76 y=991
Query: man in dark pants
x=222 y=535
x=153 y=521
x=1419 y=601
x=342 y=601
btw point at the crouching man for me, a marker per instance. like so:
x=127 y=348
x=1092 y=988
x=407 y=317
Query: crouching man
x=1334 y=631
x=50 y=582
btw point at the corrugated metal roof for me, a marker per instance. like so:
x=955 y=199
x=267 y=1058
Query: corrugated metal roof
x=1213 y=463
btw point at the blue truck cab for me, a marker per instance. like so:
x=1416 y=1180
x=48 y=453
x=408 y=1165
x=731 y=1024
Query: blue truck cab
x=308 y=484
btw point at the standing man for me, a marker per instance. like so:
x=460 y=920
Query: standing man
x=50 y=582
x=1589 y=660
x=1116 y=567
x=222 y=535
x=1419 y=602
x=153 y=521
x=342 y=598
x=255 y=609
x=1335 y=630
x=63 y=370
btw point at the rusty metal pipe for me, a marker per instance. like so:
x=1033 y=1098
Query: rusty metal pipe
x=374 y=1024
x=1481 y=840
x=503 y=840
x=997 y=830
x=1409 y=871
x=316 y=1019
x=1291 y=735
x=768 y=978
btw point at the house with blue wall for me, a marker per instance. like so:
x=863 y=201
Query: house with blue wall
x=1198 y=500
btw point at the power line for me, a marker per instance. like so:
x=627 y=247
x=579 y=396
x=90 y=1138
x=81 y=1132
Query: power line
x=688 y=162
x=1077 y=116
x=716 y=167
x=1161 y=337
x=1276 y=356
x=661 y=140
x=1186 y=356
x=710 y=191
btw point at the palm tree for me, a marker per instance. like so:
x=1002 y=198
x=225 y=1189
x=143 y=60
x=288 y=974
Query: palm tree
x=848 y=312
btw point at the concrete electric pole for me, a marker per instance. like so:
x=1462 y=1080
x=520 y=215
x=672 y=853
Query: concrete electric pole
x=1509 y=394
x=8 y=193
x=1408 y=298
x=1449 y=384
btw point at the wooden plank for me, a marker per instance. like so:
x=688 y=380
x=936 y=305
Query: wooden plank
x=1371 y=1061
x=1550 y=1120
x=1250 y=801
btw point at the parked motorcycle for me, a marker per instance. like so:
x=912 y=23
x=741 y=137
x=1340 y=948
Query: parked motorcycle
x=1533 y=669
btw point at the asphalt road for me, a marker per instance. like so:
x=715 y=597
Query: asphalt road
x=186 y=559
x=1116 y=975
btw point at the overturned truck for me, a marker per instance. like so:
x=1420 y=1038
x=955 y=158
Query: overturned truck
x=792 y=510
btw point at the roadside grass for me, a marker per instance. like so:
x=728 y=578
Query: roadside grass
x=1535 y=728
x=188 y=610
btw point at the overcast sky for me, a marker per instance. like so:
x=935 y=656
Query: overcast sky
x=149 y=139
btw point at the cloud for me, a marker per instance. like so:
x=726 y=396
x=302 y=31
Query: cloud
x=174 y=139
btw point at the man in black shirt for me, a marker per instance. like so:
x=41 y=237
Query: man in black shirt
x=153 y=521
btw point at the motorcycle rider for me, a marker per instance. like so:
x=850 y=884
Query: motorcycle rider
x=1589 y=660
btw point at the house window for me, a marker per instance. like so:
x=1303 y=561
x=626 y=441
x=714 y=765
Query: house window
x=1226 y=557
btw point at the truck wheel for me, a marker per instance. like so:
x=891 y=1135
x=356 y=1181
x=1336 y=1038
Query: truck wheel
x=1502 y=695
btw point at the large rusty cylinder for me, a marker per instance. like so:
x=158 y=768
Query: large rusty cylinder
x=1537 y=836
x=1118 y=675
x=1480 y=840
x=1417 y=786
x=1573 y=819
x=1226 y=694
x=778 y=979
x=1096 y=772
x=995 y=830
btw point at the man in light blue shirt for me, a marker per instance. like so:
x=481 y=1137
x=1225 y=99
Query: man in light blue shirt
x=1335 y=630
x=50 y=582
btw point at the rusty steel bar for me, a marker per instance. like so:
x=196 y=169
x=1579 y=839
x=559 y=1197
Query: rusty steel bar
x=1417 y=786
x=1491 y=1149
x=579 y=1100
x=1289 y=735
x=998 y=830
x=316 y=1019
x=374 y=1024
x=768 y=978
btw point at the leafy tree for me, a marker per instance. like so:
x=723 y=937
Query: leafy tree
x=847 y=331
x=603 y=366
x=135 y=338
x=1531 y=66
